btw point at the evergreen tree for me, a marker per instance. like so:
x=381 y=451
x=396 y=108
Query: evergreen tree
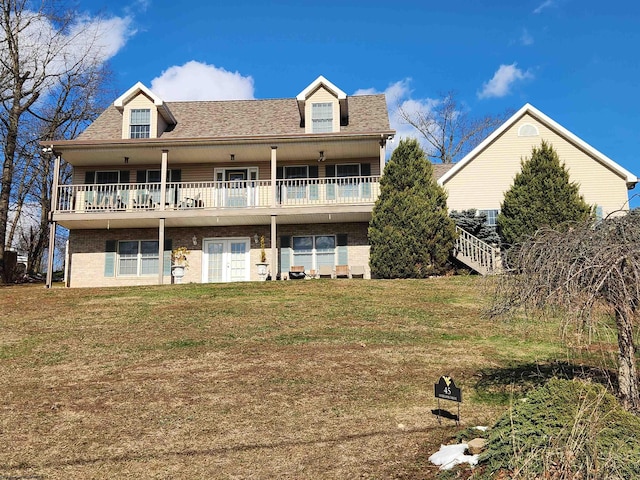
x=411 y=234
x=475 y=223
x=541 y=195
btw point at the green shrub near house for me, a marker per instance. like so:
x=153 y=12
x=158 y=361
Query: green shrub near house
x=565 y=429
x=411 y=234
x=542 y=195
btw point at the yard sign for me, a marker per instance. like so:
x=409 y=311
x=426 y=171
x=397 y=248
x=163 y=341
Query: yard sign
x=446 y=389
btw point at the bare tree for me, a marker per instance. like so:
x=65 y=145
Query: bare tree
x=39 y=50
x=581 y=269
x=446 y=126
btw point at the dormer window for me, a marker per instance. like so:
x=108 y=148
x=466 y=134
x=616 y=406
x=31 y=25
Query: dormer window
x=140 y=123
x=322 y=117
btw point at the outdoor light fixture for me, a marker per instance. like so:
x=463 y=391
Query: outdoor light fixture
x=321 y=158
x=233 y=157
x=126 y=160
x=256 y=239
x=194 y=240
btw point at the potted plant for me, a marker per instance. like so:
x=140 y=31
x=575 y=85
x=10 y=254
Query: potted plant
x=262 y=264
x=179 y=263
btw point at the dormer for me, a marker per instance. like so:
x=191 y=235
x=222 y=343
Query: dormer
x=323 y=107
x=144 y=114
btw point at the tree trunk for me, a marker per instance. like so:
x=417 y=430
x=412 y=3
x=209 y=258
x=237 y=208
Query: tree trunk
x=627 y=375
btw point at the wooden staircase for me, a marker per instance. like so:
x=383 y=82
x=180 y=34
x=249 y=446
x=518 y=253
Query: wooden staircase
x=476 y=254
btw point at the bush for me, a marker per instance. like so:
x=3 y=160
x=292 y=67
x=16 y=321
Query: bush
x=565 y=429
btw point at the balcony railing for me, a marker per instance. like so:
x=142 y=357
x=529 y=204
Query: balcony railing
x=216 y=195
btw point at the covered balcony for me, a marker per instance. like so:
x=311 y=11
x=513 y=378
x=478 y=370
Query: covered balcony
x=239 y=195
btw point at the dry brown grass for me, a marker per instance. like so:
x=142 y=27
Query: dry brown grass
x=308 y=379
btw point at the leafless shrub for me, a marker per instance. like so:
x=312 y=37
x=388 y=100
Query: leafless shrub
x=579 y=270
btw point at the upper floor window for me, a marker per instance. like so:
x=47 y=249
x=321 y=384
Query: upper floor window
x=528 y=130
x=322 y=117
x=140 y=123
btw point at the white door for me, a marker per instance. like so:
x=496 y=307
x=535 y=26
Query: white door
x=226 y=260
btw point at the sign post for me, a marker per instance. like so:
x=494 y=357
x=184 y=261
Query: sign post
x=446 y=389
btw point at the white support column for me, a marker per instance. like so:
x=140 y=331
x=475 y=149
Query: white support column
x=274 y=248
x=54 y=184
x=383 y=154
x=52 y=225
x=52 y=244
x=163 y=178
x=274 y=171
x=161 y=252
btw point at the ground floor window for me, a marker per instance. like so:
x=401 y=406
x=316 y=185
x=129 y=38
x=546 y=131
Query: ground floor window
x=313 y=251
x=138 y=257
x=492 y=216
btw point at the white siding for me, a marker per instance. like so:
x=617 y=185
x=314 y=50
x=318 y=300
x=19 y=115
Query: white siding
x=481 y=184
x=142 y=101
x=321 y=95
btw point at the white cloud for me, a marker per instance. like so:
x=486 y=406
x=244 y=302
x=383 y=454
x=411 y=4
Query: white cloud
x=398 y=96
x=200 y=81
x=88 y=42
x=543 y=5
x=526 y=39
x=106 y=35
x=502 y=81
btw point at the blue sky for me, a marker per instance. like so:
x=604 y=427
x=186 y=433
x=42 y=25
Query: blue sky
x=577 y=61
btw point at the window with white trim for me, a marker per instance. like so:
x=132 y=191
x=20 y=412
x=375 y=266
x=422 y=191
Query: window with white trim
x=528 y=130
x=322 y=117
x=140 y=123
x=313 y=251
x=138 y=257
x=492 y=216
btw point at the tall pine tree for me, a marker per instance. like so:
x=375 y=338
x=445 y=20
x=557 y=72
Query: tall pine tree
x=411 y=234
x=541 y=195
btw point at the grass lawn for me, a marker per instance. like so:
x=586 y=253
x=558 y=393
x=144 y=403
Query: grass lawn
x=307 y=379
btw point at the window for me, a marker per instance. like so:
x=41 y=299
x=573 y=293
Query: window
x=314 y=251
x=107 y=177
x=138 y=257
x=492 y=216
x=528 y=130
x=153 y=176
x=348 y=188
x=296 y=190
x=321 y=117
x=140 y=123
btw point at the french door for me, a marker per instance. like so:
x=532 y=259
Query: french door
x=226 y=260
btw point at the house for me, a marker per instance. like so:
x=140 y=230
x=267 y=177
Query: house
x=483 y=176
x=216 y=176
x=303 y=173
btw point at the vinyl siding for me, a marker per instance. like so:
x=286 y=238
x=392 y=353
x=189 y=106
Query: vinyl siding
x=321 y=95
x=482 y=183
x=142 y=101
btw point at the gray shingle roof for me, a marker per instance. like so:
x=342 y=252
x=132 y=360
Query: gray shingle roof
x=230 y=118
x=439 y=169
